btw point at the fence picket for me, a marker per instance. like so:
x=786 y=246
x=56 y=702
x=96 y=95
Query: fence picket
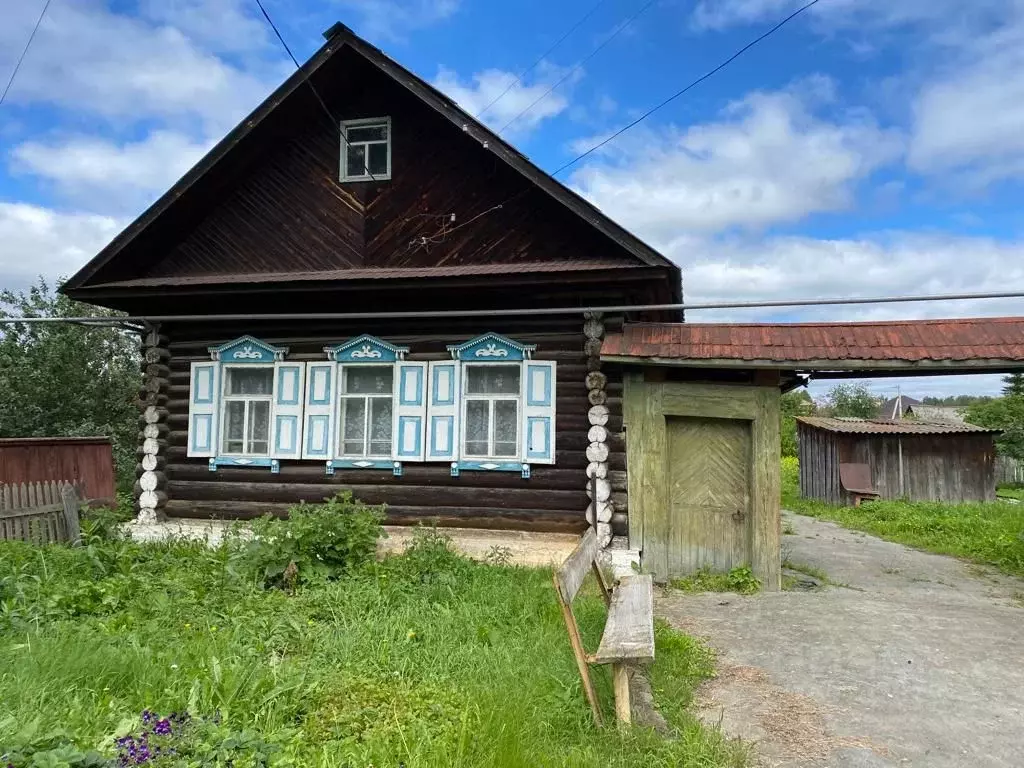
x=40 y=512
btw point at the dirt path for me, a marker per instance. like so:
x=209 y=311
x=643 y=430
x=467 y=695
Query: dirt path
x=918 y=661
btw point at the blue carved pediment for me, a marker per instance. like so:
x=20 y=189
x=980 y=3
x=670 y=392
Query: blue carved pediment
x=366 y=349
x=247 y=349
x=491 y=347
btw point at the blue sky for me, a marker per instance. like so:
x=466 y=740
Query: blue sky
x=870 y=147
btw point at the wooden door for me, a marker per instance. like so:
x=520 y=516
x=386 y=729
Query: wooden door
x=709 y=495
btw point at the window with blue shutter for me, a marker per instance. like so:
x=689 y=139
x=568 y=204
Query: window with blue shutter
x=380 y=409
x=245 y=406
x=443 y=410
x=505 y=417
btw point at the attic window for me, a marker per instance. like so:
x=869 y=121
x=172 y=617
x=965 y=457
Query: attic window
x=366 y=149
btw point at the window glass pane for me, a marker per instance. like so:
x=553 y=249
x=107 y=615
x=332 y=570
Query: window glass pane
x=234 y=426
x=355 y=160
x=492 y=379
x=378 y=159
x=259 y=426
x=506 y=427
x=353 y=426
x=250 y=381
x=477 y=427
x=380 y=426
x=368 y=380
x=367 y=133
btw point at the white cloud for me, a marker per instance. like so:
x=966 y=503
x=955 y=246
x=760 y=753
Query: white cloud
x=768 y=160
x=393 y=19
x=879 y=264
x=967 y=120
x=484 y=87
x=127 y=69
x=38 y=241
x=219 y=25
x=127 y=176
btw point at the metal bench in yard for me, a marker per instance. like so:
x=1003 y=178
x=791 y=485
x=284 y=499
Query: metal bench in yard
x=856 y=480
x=628 y=637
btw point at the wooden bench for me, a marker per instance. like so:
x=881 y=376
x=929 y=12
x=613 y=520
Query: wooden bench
x=856 y=480
x=628 y=637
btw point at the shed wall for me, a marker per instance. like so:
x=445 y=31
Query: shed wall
x=950 y=468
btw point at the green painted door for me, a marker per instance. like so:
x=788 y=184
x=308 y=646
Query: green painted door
x=708 y=472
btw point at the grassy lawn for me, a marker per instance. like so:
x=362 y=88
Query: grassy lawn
x=990 y=534
x=426 y=659
x=1010 y=492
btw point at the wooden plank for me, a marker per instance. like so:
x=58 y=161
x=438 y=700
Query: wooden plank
x=635 y=424
x=766 y=530
x=620 y=683
x=570 y=575
x=578 y=651
x=649 y=463
x=629 y=631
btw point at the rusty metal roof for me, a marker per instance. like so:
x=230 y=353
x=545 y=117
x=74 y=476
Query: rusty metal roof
x=885 y=427
x=803 y=345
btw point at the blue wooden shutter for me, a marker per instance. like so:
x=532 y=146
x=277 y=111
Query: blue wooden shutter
x=410 y=411
x=203 y=409
x=318 y=433
x=538 y=412
x=443 y=408
x=289 y=390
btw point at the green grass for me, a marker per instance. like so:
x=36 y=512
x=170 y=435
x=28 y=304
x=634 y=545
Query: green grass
x=422 y=660
x=740 y=580
x=989 y=533
x=1008 y=492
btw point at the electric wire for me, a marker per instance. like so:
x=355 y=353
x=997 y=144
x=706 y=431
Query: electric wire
x=17 y=65
x=580 y=64
x=695 y=83
x=541 y=58
x=530 y=311
x=316 y=93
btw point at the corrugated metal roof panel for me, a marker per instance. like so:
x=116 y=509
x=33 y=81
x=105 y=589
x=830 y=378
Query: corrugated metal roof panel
x=883 y=427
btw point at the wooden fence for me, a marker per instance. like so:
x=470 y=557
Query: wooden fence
x=39 y=513
x=1009 y=470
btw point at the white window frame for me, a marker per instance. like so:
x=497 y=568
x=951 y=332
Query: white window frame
x=345 y=144
x=225 y=398
x=491 y=399
x=339 y=448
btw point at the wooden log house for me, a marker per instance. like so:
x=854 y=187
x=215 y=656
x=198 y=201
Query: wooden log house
x=480 y=420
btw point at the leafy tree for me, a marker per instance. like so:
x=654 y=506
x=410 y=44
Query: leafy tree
x=796 y=403
x=956 y=400
x=853 y=400
x=1013 y=385
x=66 y=380
x=1007 y=414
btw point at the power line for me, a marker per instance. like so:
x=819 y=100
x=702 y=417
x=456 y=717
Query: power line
x=696 y=82
x=575 y=69
x=316 y=93
x=21 y=58
x=541 y=58
x=525 y=312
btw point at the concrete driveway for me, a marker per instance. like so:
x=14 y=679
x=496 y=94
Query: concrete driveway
x=917 y=661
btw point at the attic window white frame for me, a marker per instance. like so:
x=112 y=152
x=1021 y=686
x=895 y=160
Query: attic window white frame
x=367 y=122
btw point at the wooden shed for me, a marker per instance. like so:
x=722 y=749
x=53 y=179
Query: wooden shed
x=906 y=459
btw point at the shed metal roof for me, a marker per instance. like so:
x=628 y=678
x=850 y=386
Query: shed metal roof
x=884 y=427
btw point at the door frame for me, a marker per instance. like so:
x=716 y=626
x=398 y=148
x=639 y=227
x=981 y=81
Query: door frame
x=646 y=404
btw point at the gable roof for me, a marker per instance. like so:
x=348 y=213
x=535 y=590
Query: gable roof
x=339 y=37
x=886 y=427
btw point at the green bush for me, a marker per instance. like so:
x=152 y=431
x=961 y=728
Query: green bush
x=315 y=541
x=740 y=580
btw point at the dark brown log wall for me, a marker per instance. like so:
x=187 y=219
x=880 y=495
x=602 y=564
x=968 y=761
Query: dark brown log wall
x=553 y=499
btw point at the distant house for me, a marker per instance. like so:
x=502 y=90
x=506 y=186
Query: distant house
x=895 y=408
x=936 y=414
x=906 y=459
